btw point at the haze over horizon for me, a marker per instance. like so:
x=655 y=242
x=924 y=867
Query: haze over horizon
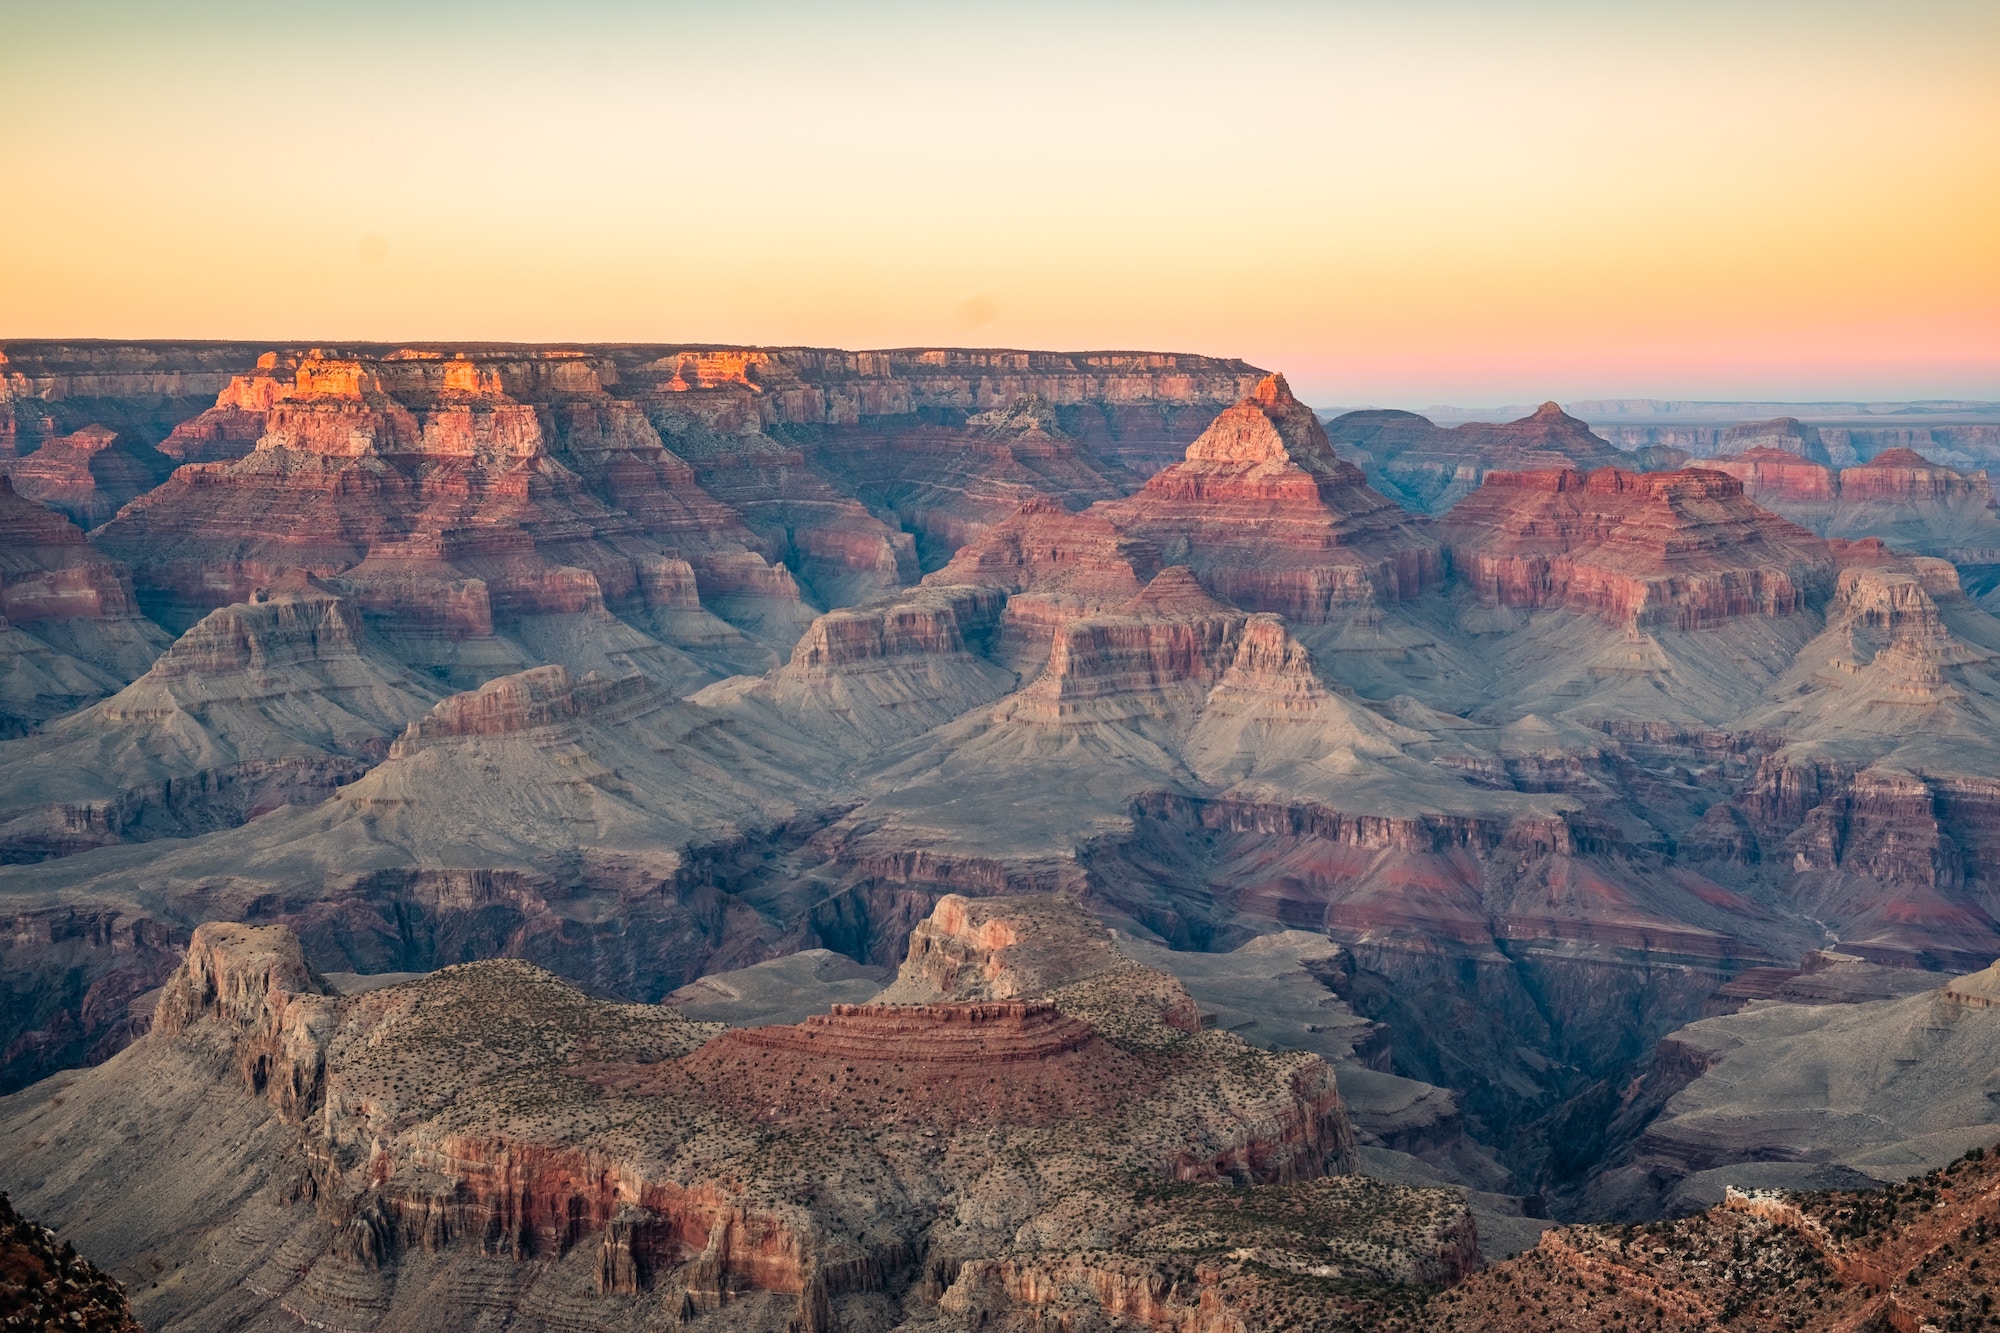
x=1408 y=205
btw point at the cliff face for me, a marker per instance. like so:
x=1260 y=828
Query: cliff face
x=1679 y=548
x=88 y=476
x=1429 y=468
x=1899 y=497
x=269 y=703
x=618 y=1158
x=70 y=627
x=1269 y=519
x=1545 y=778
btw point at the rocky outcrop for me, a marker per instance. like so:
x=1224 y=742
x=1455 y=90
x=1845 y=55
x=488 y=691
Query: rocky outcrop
x=51 y=1286
x=254 y=984
x=616 y=1157
x=949 y=485
x=90 y=475
x=1779 y=435
x=1908 y=1256
x=1898 y=497
x=1681 y=549
x=270 y=703
x=1429 y=468
x=869 y=676
x=70 y=627
x=1270 y=520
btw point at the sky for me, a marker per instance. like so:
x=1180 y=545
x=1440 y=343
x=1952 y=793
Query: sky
x=1396 y=203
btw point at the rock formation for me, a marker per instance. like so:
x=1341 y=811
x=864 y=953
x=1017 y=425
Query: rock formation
x=1269 y=519
x=70 y=628
x=861 y=1169
x=1899 y=497
x=1780 y=434
x=1429 y=468
x=90 y=475
x=1916 y=1255
x=273 y=702
x=44 y=1284
x=1678 y=548
x=533 y=653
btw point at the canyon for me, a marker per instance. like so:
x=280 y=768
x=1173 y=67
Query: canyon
x=1073 y=729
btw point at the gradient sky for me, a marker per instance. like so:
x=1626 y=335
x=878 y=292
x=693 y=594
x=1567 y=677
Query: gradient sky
x=1399 y=203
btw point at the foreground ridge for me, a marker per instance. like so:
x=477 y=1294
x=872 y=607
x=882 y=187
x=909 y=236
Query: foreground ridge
x=1084 y=1152
x=1916 y=1255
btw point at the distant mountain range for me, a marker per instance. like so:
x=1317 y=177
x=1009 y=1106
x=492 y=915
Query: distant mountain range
x=1636 y=410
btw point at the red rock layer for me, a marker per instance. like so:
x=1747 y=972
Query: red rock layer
x=89 y=475
x=1895 y=476
x=1269 y=519
x=1000 y=1031
x=948 y=485
x=1681 y=549
x=1431 y=468
x=1776 y=476
x=933 y=621
x=446 y=514
x=1904 y=475
x=1058 y=565
x=48 y=571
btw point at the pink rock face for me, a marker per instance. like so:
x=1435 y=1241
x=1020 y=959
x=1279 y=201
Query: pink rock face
x=1898 y=496
x=1430 y=468
x=539 y=697
x=1268 y=518
x=48 y=571
x=949 y=485
x=448 y=513
x=1685 y=549
x=1773 y=477
x=89 y=475
x=1905 y=475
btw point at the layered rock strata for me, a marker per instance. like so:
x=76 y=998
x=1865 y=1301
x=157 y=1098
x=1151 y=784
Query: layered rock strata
x=70 y=628
x=1899 y=497
x=90 y=475
x=1269 y=519
x=609 y=1160
x=273 y=702
x=1683 y=549
x=1429 y=468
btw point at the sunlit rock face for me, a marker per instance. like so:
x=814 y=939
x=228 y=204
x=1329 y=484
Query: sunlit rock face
x=933 y=1158
x=749 y=675
x=1268 y=518
x=1682 y=548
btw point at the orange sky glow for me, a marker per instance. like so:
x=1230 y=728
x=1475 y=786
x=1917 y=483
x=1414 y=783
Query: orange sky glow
x=1397 y=204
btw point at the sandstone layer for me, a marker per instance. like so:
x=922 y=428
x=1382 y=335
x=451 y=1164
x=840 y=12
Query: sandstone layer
x=1430 y=468
x=617 y=1163
x=1899 y=497
x=1593 y=755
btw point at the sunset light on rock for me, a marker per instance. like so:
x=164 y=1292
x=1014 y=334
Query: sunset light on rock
x=1000 y=668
